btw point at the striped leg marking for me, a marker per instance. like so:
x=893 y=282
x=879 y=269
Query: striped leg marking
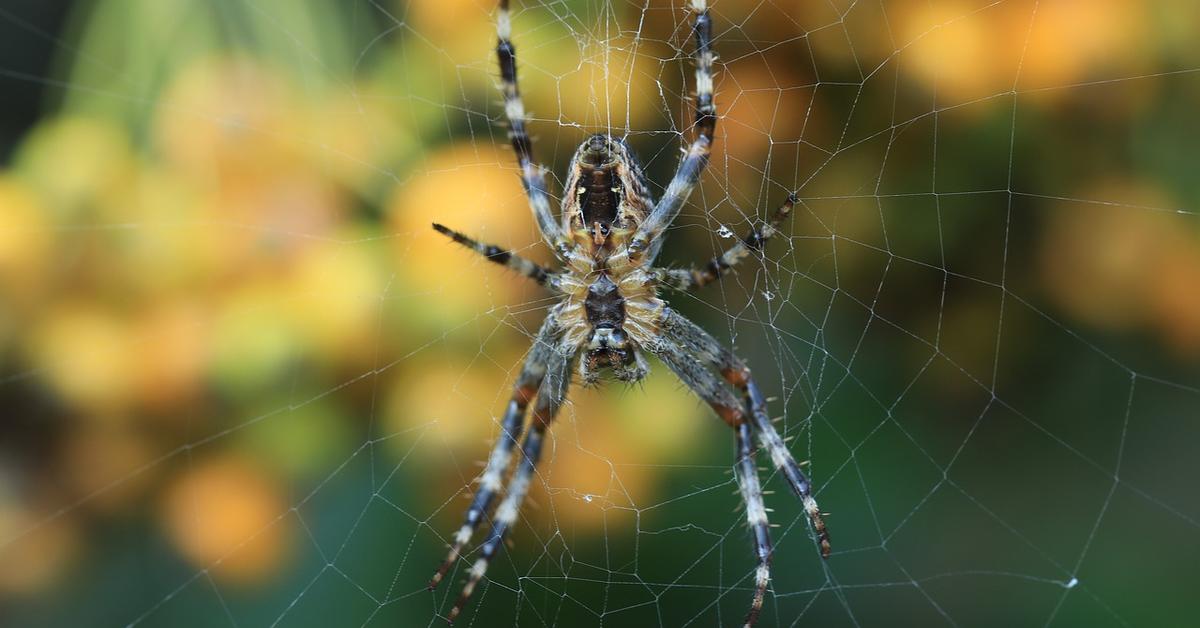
x=687 y=278
x=676 y=354
x=683 y=332
x=514 y=112
x=550 y=396
x=648 y=239
x=739 y=375
x=756 y=517
x=506 y=516
x=532 y=374
x=503 y=257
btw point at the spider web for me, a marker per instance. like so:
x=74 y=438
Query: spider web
x=247 y=385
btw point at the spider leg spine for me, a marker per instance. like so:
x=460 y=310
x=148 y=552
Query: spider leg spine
x=756 y=517
x=489 y=485
x=506 y=516
x=783 y=460
x=676 y=351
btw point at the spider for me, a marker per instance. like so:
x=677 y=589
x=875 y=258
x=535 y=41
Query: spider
x=610 y=314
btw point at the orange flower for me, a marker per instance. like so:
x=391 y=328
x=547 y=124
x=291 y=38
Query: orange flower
x=1175 y=298
x=42 y=552
x=172 y=355
x=1124 y=267
x=966 y=51
x=227 y=515
x=1096 y=258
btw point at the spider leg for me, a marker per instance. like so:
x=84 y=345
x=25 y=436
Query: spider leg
x=709 y=387
x=756 y=518
x=532 y=374
x=680 y=330
x=550 y=397
x=687 y=174
x=514 y=112
x=544 y=276
x=684 y=279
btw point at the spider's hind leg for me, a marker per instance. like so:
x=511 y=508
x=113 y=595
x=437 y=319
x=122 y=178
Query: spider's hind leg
x=522 y=144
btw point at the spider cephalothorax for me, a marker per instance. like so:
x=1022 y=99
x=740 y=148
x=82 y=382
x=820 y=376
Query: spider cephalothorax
x=607 y=237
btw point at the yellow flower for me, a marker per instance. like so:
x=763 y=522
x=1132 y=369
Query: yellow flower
x=951 y=48
x=457 y=400
x=471 y=188
x=87 y=355
x=253 y=339
x=26 y=241
x=75 y=163
x=336 y=297
x=226 y=120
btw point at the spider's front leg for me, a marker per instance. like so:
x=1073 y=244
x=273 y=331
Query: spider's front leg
x=533 y=372
x=688 y=334
x=690 y=367
x=550 y=396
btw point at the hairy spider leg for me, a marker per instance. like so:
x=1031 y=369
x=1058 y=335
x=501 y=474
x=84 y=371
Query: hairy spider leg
x=734 y=370
x=648 y=239
x=503 y=257
x=756 y=518
x=550 y=397
x=684 y=279
x=781 y=457
x=514 y=111
x=532 y=374
x=678 y=352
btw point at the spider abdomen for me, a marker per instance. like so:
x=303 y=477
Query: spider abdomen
x=607 y=197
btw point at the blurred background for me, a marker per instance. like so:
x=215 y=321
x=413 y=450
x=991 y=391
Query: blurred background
x=242 y=383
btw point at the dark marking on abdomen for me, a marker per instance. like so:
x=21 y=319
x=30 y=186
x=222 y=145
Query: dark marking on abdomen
x=599 y=202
